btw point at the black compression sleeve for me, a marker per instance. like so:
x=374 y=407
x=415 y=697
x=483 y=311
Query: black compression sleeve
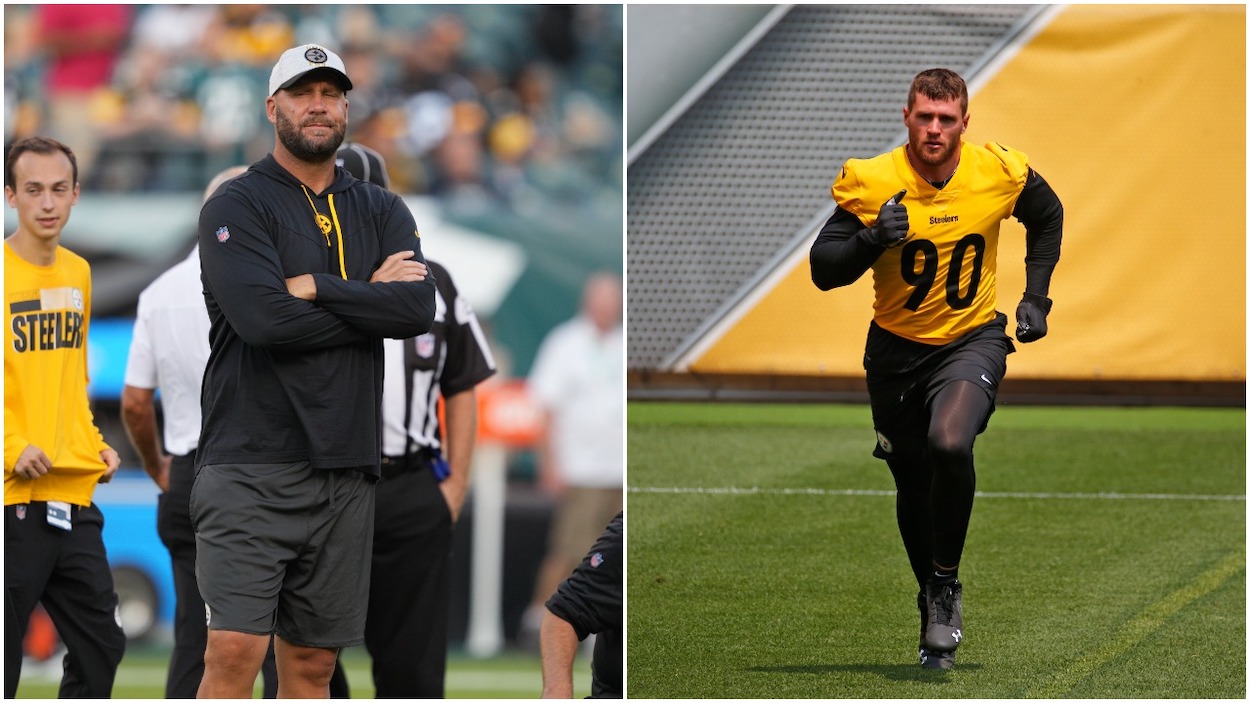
x=838 y=256
x=1039 y=210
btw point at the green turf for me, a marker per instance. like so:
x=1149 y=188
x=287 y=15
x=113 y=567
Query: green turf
x=509 y=675
x=1106 y=557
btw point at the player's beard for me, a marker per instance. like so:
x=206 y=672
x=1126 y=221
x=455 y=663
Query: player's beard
x=943 y=157
x=304 y=148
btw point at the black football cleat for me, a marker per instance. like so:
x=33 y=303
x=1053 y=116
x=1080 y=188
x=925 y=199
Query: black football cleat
x=944 y=604
x=936 y=660
x=930 y=659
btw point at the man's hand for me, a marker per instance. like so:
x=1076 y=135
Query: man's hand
x=32 y=463
x=454 y=493
x=303 y=286
x=399 y=267
x=1031 y=317
x=891 y=226
x=160 y=472
x=111 y=462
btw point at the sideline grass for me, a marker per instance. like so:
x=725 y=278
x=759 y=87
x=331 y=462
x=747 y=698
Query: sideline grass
x=509 y=675
x=1106 y=557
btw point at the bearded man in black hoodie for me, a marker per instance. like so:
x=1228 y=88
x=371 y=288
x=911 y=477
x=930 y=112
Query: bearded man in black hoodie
x=305 y=271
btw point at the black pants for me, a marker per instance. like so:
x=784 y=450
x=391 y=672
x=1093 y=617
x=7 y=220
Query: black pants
x=173 y=524
x=67 y=571
x=410 y=588
x=928 y=406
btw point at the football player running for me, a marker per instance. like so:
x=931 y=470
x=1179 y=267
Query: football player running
x=925 y=218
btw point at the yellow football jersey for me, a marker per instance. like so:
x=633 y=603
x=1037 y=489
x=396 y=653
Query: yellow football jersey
x=940 y=283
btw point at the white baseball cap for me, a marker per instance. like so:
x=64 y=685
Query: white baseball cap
x=294 y=63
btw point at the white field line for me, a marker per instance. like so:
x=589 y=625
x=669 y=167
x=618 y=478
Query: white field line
x=756 y=490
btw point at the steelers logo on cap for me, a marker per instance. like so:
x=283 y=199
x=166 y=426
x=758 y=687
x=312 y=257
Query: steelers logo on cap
x=316 y=55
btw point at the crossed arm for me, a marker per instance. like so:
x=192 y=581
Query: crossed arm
x=244 y=280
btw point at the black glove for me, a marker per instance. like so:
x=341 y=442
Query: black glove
x=1031 y=317
x=891 y=226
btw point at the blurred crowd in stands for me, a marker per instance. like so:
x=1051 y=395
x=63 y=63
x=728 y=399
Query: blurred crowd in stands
x=513 y=105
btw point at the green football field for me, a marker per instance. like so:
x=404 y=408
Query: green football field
x=1105 y=559
x=509 y=675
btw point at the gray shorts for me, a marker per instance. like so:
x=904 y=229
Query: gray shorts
x=284 y=548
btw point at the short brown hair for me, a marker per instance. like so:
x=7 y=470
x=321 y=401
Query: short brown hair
x=38 y=145
x=939 y=84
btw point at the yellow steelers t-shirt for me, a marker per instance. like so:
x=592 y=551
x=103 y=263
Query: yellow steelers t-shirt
x=48 y=309
x=940 y=283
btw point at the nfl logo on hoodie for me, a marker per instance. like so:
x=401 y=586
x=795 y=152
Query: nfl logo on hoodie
x=223 y=233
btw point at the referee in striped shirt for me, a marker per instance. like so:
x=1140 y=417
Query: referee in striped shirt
x=425 y=475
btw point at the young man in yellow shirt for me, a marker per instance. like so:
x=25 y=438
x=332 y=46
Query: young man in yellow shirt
x=54 y=455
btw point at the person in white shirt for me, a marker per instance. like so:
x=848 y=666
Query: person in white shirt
x=169 y=351
x=578 y=380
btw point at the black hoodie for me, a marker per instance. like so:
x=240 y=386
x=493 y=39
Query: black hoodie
x=590 y=600
x=288 y=379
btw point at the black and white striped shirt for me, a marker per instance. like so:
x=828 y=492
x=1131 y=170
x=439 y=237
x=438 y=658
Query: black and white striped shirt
x=451 y=358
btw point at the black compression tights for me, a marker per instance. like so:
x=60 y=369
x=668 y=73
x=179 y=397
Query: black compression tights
x=934 y=501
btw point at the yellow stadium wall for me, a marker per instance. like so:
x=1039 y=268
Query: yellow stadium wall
x=1136 y=116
